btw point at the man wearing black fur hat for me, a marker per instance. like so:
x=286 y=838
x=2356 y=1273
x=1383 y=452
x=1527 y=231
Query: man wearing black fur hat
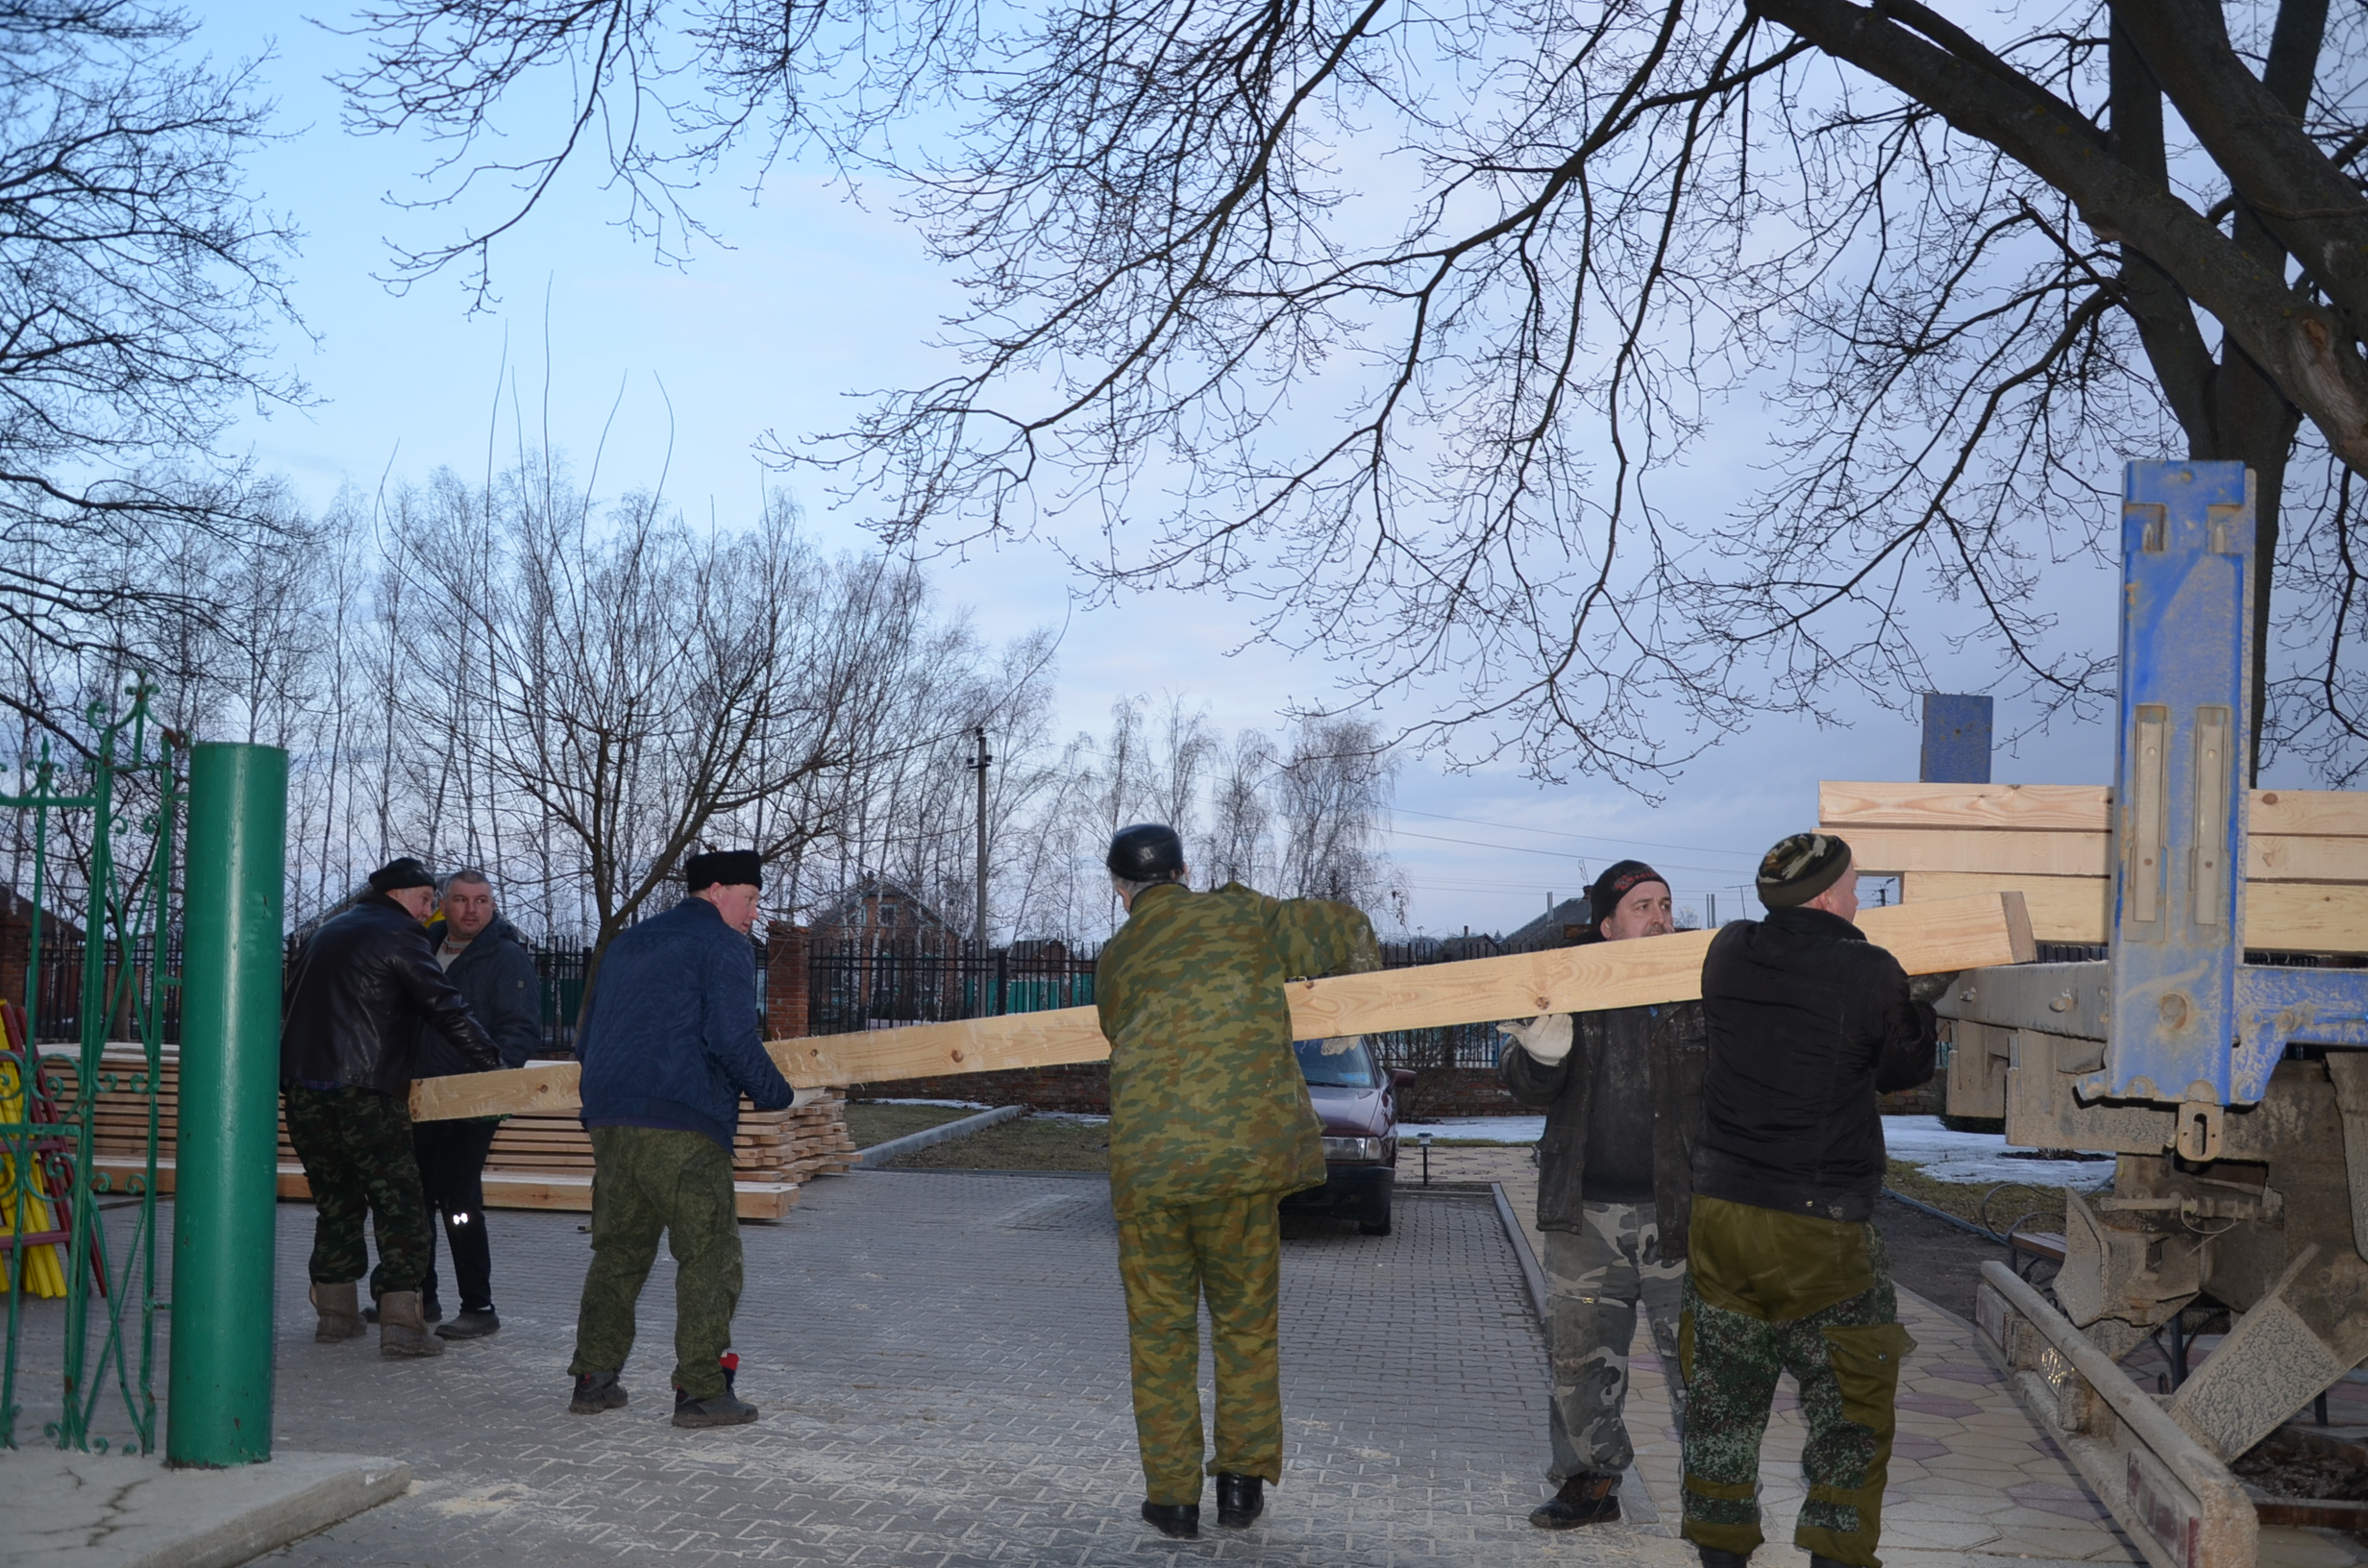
x=1809 y=1024
x=1623 y=1093
x=348 y=1039
x=670 y=1042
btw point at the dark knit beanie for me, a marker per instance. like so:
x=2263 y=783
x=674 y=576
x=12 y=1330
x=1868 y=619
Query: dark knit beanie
x=1800 y=868
x=1618 y=880
x=398 y=874
x=732 y=868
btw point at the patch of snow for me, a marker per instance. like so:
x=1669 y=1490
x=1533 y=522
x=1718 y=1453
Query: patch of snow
x=1481 y=1129
x=1947 y=1156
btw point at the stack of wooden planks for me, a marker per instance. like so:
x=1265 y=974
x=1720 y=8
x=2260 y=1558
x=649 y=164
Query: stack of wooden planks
x=2306 y=871
x=538 y=1161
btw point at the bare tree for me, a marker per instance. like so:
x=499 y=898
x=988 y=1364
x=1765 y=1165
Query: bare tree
x=137 y=278
x=1332 y=798
x=637 y=688
x=1240 y=817
x=1409 y=306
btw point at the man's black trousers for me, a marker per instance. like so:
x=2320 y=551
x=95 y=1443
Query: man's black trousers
x=451 y=1173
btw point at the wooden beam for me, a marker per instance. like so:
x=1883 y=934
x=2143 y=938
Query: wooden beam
x=2280 y=917
x=2078 y=808
x=1889 y=851
x=2062 y=808
x=1985 y=929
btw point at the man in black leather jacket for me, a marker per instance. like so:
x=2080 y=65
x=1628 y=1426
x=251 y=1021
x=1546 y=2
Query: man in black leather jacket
x=1622 y=1094
x=491 y=968
x=349 y=1038
x=1809 y=1024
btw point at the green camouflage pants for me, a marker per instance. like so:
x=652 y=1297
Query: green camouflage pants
x=1759 y=1301
x=647 y=1181
x=1169 y=1257
x=1595 y=1280
x=356 y=1145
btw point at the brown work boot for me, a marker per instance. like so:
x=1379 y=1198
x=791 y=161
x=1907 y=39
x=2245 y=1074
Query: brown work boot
x=1584 y=1500
x=340 y=1319
x=402 y=1329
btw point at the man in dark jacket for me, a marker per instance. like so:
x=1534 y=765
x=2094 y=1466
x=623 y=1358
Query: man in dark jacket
x=1809 y=1024
x=670 y=1042
x=1622 y=1093
x=349 y=1042
x=484 y=960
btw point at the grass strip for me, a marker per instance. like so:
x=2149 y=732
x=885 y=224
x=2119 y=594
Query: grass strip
x=1028 y=1143
x=872 y=1124
x=1963 y=1199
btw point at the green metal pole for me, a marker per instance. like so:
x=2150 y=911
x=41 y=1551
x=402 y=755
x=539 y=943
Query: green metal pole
x=218 y=1410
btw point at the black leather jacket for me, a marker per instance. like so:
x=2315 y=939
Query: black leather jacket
x=1669 y=1041
x=362 y=989
x=1809 y=1024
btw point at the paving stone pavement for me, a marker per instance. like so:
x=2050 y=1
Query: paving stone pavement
x=942 y=1363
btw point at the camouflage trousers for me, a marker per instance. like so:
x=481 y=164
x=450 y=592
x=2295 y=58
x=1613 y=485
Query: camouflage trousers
x=1845 y=1356
x=1169 y=1256
x=356 y=1145
x=649 y=1181
x=1596 y=1278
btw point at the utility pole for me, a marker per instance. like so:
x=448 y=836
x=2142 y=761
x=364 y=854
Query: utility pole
x=979 y=762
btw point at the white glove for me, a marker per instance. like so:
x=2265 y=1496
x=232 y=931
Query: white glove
x=1546 y=1037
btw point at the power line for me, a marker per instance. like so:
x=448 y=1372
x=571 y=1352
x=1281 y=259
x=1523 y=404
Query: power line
x=1558 y=833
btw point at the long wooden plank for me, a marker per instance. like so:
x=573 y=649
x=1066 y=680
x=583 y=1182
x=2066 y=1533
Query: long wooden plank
x=2079 y=808
x=1889 y=851
x=1925 y=937
x=2280 y=917
x=1844 y=805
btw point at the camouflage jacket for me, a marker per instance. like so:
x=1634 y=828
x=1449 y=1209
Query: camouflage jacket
x=1206 y=1100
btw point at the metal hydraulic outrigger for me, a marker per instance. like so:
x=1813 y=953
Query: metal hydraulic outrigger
x=2234 y=1093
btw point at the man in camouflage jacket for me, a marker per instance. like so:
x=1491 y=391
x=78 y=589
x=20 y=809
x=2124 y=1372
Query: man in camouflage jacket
x=1210 y=1126
x=1622 y=1094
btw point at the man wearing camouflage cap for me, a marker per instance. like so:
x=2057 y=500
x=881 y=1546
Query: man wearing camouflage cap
x=1209 y=1127
x=1809 y=1022
x=1621 y=1089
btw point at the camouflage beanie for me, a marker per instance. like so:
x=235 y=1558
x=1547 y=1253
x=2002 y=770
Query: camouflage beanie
x=1800 y=868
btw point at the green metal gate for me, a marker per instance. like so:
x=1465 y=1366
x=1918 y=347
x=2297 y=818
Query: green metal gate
x=79 y=1242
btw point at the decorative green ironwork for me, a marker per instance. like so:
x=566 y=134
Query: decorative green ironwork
x=129 y=798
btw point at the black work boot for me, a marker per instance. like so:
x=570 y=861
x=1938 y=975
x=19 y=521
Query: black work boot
x=723 y=1409
x=595 y=1392
x=1584 y=1500
x=1816 y=1561
x=1712 y=1558
x=1240 y=1499
x=1181 y=1520
x=473 y=1323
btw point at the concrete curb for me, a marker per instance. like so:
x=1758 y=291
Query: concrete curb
x=1530 y=1271
x=896 y=1148
x=89 y=1510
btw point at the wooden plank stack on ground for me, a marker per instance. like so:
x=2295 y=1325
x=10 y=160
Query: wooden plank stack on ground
x=2305 y=866
x=1958 y=934
x=538 y=1161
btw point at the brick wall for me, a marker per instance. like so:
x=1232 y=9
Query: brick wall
x=787 y=975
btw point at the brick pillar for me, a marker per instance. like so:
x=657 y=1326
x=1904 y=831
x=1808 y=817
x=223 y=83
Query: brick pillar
x=786 y=980
x=16 y=951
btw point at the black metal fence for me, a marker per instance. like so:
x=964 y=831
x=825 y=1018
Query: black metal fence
x=58 y=991
x=855 y=986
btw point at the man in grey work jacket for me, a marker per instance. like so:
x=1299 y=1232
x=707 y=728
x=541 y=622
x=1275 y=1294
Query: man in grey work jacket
x=1623 y=1093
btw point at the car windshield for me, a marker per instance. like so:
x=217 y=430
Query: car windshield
x=1336 y=1064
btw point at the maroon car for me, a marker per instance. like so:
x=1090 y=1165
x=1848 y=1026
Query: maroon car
x=1358 y=1102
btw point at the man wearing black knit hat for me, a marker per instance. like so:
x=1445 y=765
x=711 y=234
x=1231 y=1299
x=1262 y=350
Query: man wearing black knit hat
x=671 y=1041
x=1809 y=1024
x=364 y=984
x=1621 y=1089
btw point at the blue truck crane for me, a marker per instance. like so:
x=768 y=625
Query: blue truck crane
x=2234 y=1092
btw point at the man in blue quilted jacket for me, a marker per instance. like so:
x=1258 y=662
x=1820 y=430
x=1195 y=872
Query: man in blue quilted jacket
x=671 y=1041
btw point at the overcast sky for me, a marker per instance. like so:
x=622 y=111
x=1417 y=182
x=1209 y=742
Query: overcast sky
x=819 y=298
